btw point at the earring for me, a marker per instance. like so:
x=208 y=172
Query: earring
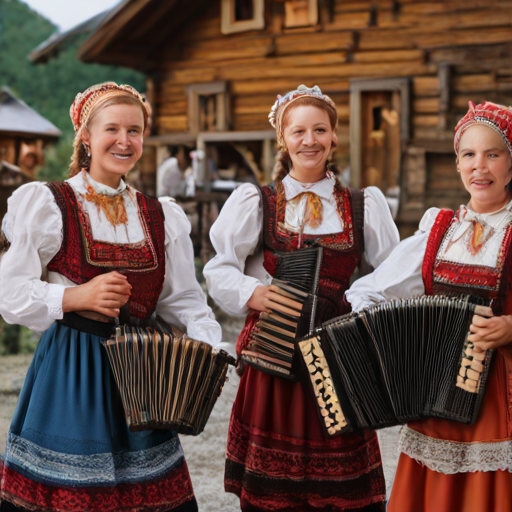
x=87 y=149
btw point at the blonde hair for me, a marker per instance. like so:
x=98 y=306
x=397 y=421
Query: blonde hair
x=79 y=158
x=283 y=163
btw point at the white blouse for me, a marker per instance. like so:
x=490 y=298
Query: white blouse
x=32 y=296
x=400 y=276
x=237 y=269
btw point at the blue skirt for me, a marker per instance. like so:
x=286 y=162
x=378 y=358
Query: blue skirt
x=69 y=447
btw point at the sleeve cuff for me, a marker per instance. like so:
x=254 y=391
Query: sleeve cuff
x=247 y=291
x=53 y=300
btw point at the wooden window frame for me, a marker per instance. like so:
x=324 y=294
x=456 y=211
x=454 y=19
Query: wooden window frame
x=312 y=15
x=194 y=91
x=229 y=26
x=359 y=86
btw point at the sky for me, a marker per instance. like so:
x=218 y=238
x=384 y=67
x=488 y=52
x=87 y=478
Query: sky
x=68 y=13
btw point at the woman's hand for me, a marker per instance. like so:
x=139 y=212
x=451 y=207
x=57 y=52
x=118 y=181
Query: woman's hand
x=105 y=294
x=491 y=332
x=265 y=298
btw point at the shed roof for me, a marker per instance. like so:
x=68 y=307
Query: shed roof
x=17 y=118
x=131 y=34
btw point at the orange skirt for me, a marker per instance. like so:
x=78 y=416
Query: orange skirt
x=420 y=489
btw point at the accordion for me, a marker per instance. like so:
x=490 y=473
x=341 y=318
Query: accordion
x=396 y=362
x=272 y=345
x=166 y=381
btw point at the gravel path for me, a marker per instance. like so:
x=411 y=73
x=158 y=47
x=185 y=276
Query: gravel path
x=205 y=453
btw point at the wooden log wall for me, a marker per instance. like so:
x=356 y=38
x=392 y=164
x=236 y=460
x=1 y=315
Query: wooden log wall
x=453 y=51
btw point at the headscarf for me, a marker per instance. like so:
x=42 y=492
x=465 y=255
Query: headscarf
x=496 y=117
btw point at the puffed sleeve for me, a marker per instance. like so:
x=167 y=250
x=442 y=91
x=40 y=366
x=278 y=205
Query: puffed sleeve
x=399 y=276
x=182 y=302
x=235 y=236
x=33 y=226
x=380 y=232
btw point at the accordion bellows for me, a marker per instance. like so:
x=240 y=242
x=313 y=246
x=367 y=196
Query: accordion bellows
x=166 y=381
x=396 y=362
x=272 y=345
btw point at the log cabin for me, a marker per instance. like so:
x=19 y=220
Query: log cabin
x=400 y=71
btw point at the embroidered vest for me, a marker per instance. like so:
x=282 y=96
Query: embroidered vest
x=81 y=258
x=342 y=251
x=492 y=284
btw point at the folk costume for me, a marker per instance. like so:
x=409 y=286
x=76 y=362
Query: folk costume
x=69 y=448
x=446 y=466
x=278 y=457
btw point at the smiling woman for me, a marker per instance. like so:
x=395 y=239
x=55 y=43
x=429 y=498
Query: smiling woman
x=278 y=457
x=80 y=251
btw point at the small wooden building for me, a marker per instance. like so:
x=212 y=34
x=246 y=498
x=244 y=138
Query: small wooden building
x=23 y=133
x=400 y=71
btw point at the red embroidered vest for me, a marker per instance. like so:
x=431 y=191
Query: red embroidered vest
x=82 y=258
x=450 y=278
x=342 y=251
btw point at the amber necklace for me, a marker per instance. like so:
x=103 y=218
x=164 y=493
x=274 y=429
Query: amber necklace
x=112 y=206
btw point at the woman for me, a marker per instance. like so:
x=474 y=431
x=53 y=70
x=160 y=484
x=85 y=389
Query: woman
x=447 y=466
x=79 y=252
x=278 y=457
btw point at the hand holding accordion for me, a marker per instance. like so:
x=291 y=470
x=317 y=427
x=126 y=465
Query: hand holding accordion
x=271 y=347
x=397 y=362
x=166 y=381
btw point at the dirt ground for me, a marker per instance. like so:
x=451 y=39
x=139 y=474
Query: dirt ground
x=205 y=453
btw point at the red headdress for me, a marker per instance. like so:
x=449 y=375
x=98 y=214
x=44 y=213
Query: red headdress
x=84 y=101
x=497 y=117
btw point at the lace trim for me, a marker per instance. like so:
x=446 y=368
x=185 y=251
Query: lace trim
x=450 y=457
x=54 y=468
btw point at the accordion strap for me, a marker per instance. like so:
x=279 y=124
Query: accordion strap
x=358 y=219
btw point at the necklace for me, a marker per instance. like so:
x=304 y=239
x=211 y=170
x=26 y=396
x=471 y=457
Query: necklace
x=111 y=205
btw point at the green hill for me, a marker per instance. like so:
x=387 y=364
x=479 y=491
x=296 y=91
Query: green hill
x=48 y=88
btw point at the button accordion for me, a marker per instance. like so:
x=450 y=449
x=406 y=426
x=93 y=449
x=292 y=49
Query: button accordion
x=166 y=381
x=272 y=345
x=396 y=362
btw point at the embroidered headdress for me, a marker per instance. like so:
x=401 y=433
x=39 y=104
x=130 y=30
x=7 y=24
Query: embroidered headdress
x=497 y=117
x=283 y=102
x=84 y=102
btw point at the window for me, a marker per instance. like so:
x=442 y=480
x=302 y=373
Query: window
x=300 y=13
x=207 y=107
x=242 y=15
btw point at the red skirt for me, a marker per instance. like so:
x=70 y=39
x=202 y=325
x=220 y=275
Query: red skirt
x=485 y=445
x=278 y=458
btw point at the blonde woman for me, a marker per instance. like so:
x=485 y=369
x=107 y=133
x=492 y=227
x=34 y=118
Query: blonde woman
x=79 y=251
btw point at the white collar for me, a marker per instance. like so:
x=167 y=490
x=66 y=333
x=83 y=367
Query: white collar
x=78 y=181
x=465 y=211
x=323 y=188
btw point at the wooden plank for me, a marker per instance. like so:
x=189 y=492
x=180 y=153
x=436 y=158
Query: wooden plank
x=317 y=73
x=389 y=56
x=425 y=120
x=313 y=59
x=251 y=122
x=166 y=124
x=376 y=39
x=191 y=76
x=471 y=54
x=349 y=21
x=172 y=108
x=314 y=42
x=474 y=83
x=462 y=37
x=426 y=105
x=425 y=86
x=460 y=102
x=281 y=86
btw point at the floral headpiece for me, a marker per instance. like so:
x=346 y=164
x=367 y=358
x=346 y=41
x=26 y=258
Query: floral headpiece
x=497 y=117
x=283 y=102
x=84 y=101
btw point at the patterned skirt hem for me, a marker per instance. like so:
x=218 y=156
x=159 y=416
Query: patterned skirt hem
x=173 y=492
